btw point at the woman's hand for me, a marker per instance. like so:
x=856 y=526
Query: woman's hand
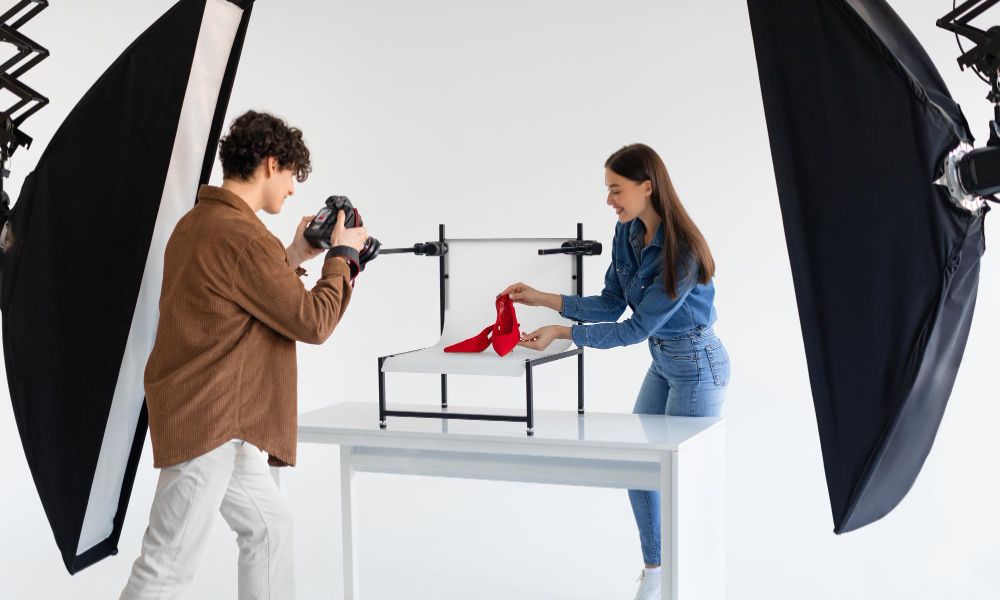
x=541 y=338
x=301 y=250
x=529 y=296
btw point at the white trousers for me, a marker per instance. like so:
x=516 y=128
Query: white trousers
x=234 y=480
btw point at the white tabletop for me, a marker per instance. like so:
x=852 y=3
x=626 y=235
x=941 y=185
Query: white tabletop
x=607 y=430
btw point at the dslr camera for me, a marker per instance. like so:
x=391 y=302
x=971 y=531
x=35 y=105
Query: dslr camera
x=319 y=229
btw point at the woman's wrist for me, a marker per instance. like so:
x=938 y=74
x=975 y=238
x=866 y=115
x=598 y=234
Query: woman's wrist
x=554 y=301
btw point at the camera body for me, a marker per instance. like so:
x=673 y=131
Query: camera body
x=319 y=229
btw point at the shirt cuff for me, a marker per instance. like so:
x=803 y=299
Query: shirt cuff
x=350 y=255
x=579 y=335
x=335 y=266
x=569 y=306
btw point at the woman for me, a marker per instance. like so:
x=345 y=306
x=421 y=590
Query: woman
x=662 y=269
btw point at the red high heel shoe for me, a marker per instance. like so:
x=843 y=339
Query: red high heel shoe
x=506 y=331
x=504 y=334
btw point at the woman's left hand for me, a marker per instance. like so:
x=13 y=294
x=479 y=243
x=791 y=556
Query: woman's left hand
x=541 y=338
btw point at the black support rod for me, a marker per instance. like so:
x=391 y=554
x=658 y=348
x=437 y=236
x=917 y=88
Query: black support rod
x=381 y=394
x=579 y=292
x=530 y=397
x=442 y=291
x=454 y=415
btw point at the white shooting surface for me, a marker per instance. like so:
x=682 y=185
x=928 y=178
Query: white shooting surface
x=478 y=270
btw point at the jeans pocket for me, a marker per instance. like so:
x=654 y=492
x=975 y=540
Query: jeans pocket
x=679 y=354
x=718 y=362
x=677 y=348
x=680 y=369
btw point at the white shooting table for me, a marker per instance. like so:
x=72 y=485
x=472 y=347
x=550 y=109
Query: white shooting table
x=683 y=457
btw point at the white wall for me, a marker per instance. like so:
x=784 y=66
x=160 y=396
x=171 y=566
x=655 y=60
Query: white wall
x=495 y=118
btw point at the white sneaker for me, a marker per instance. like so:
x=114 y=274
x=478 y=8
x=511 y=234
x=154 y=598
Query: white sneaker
x=649 y=587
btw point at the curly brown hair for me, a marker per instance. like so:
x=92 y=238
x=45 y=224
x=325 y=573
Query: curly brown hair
x=253 y=137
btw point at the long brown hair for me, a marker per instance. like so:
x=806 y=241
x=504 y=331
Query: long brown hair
x=639 y=162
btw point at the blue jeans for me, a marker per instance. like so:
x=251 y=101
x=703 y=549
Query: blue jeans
x=688 y=378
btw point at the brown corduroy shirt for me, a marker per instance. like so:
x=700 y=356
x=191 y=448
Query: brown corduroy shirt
x=231 y=310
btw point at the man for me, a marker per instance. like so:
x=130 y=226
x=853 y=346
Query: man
x=220 y=381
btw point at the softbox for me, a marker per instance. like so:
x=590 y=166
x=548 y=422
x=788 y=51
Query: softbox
x=885 y=265
x=80 y=286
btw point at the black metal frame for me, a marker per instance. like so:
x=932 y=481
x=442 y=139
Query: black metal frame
x=529 y=417
x=984 y=57
x=28 y=101
x=26 y=49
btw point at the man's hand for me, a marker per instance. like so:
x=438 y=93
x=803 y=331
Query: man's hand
x=529 y=296
x=541 y=338
x=301 y=250
x=341 y=236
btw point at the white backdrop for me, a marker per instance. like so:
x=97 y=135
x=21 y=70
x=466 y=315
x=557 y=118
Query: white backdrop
x=495 y=118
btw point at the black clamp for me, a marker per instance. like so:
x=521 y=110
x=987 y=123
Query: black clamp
x=575 y=247
x=420 y=249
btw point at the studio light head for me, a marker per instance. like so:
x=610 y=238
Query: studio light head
x=979 y=171
x=971 y=176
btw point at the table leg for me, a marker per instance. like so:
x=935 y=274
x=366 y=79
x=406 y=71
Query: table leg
x=693 y=481
x=669 y=533
x=348 y=524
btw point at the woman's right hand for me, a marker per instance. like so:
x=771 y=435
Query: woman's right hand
x=529 y=296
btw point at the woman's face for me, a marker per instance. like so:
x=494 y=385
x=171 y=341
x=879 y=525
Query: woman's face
x=628 y=198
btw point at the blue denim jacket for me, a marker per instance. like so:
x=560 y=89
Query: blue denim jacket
x=635 y=279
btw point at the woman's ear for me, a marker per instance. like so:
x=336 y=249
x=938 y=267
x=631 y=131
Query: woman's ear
x=647 y=188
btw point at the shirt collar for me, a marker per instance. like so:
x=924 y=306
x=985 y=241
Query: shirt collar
x=636 y=230
x=224 y=196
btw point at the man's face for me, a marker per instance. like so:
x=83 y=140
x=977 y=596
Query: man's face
x=280 y=184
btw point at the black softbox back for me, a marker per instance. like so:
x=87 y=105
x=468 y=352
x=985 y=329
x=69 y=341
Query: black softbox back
x=886 y=268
